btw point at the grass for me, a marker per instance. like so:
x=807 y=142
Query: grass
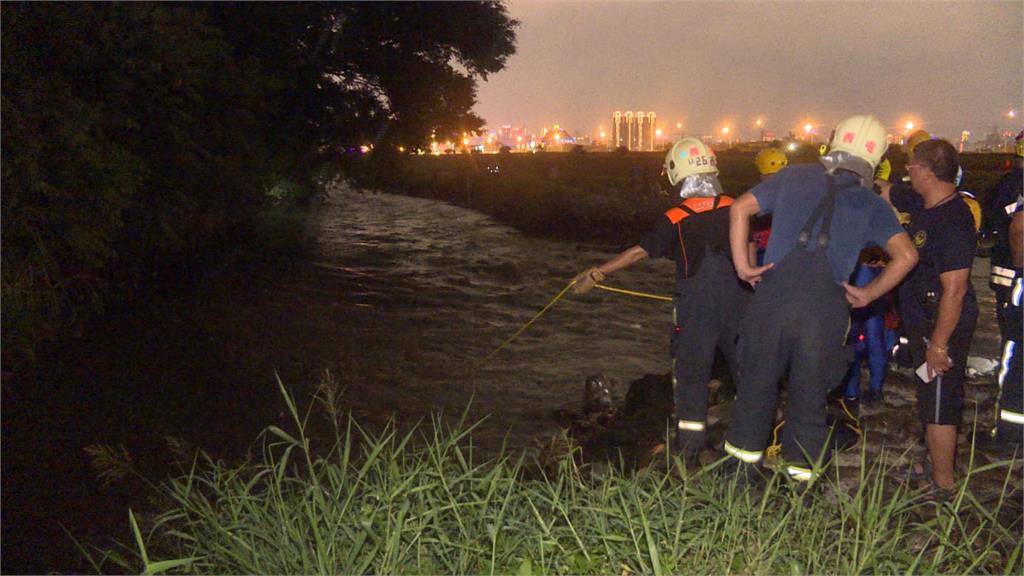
x=427 y=502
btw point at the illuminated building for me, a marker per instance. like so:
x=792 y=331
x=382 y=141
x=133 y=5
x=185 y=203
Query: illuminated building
x=634 y=131
x=512 y=136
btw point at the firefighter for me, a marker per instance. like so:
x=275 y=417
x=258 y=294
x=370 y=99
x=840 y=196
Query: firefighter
x=1006 y=437
x=768 y=162
x=709 y=300
x=823 y=215
x=937 y=303
x=1002 y=201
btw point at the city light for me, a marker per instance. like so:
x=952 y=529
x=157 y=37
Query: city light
x=909 y=125
x=759 y=122
x=1012 y=113
x=679 y=125
x=656 y=133
x=808 y=128
x=725 y=130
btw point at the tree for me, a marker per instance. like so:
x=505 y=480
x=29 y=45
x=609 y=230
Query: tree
x=141 y=133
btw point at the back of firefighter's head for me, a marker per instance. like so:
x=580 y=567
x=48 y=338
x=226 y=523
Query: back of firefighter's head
x=913 y=141
x=857 y=145
x=1018 y=147
x=769 y=161
x=692 y=169
x=939 y=157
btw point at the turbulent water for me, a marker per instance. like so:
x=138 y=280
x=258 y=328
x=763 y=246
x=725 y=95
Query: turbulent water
x=423 y=291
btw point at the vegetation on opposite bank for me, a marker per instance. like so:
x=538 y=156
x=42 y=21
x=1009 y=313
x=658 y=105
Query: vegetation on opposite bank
x=609 y=197
x=427 y=502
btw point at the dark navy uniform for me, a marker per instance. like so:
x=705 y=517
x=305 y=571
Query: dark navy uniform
x=945 y=238
x=1002 y=201
x=708 y=305
x=798 y=318
x=1010 y=401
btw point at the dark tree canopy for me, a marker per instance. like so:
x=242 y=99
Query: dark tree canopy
x=133 y=132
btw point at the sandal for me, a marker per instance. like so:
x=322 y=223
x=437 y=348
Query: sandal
x=937 y=494
x=924 y=475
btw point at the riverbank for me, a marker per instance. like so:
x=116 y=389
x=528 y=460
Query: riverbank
x=426 y=502
x=608 y=197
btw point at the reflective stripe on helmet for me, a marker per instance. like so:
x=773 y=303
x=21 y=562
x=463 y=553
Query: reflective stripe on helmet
x=748 y=456
x=1011 y=416
x=1018 y=289
x=801 y=474
x=690 y=426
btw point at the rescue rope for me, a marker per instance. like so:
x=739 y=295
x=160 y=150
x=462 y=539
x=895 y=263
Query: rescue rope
x=532 y=320
x=634 y=293
x=559 y=297
x=776 y=447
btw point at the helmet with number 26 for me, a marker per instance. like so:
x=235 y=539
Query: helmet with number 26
x=687 y=157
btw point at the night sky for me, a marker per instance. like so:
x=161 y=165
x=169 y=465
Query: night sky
x=947 y=66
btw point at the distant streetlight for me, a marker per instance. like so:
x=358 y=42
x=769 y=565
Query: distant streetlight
x=679 y=125
x=725 y=130
x=658 y=132
x=759 y=123
x=602 y=134
x=909 y=126
x=1012 y=113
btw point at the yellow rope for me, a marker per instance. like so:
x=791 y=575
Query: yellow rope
x=634 y=293
x=559 y=297
x=532 y=320
x=854 y=427
x=776 y=446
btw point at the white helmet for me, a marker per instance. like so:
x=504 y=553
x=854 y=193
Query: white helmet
x=687 y=157
x=862 y=136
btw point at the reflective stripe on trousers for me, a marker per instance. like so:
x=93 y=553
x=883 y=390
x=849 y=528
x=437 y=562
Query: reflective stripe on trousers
x=690 y=426
x=748 y=456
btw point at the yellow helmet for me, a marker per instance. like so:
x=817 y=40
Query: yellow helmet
x=770 y=161
x=862 y=136
x=884 y=170
x=687 y=157
x=1018 y=147
x=915 y=139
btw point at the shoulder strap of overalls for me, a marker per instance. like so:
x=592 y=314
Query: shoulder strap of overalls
x=823 y=211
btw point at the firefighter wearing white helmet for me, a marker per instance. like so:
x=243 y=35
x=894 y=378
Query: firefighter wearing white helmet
x=709 y=300
x=823 y=215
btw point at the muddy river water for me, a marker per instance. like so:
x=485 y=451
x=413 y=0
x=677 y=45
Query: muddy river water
x=401 y=299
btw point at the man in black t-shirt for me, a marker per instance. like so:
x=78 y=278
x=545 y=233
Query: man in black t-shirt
x=937 y=303
x=709 y=300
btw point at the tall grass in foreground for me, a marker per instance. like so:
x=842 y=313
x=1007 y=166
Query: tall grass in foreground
x=425 y=502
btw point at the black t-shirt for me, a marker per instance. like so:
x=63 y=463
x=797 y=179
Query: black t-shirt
x=945 y=239
x=692 y=239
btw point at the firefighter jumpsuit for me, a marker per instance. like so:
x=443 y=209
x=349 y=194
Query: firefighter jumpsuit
x=1002 y=204
x=706 y=310
x=1010 y=400
x=798 y=319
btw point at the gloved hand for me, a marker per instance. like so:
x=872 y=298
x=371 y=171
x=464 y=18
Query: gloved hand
x=586 y=280
x=884 y=170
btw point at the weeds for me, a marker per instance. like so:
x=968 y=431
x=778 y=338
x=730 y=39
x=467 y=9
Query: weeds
x=425 y=501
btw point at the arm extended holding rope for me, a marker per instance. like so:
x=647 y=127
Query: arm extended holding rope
x=586 y=281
